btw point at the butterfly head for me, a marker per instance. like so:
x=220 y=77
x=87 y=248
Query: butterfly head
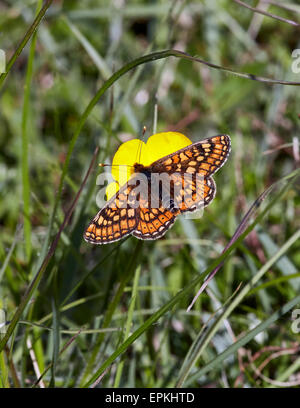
x=140 y=168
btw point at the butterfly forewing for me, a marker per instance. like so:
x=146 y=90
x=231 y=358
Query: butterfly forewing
x=204 y=158
x=191 y=169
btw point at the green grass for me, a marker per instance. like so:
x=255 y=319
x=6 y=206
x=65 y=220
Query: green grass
x=115 y=315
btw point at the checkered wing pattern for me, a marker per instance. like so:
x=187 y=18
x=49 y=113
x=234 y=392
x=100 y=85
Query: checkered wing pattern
x=115 y=220
x=154 y=222
x=191 y=170
x=203 y=158
x=190 y=193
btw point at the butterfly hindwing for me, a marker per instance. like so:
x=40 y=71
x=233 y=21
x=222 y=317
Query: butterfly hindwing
x=191 y=194
x=115 y=220
x=154 y=222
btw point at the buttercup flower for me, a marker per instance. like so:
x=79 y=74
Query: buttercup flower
x=136 y=151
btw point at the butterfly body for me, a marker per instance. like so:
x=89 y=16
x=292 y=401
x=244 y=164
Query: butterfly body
x=147 y=206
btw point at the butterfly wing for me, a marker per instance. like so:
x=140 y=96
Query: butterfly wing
x=204 y=157
x=191 y=168
x=117 y=219
x=191 y=194
x=154 y=222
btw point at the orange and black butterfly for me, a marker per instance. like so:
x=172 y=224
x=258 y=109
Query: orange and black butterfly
x=130 y=210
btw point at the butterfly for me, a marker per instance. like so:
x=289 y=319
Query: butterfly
x=131 y=211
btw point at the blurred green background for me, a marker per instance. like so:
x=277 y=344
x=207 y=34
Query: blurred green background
x=92 y=298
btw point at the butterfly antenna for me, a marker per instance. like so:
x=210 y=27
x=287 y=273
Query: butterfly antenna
x=113 y=165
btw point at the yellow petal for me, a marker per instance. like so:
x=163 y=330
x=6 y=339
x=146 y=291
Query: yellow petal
x=162 y=144
x=111 y=190
x=126 y=156
x=136 y=151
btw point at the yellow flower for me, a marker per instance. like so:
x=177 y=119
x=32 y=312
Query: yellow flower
x=136 y=151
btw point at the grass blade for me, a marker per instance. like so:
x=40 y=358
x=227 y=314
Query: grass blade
x=235 y=302
x=24 y=41
x=34 y=283
x=25 y=143
x=217 y=362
